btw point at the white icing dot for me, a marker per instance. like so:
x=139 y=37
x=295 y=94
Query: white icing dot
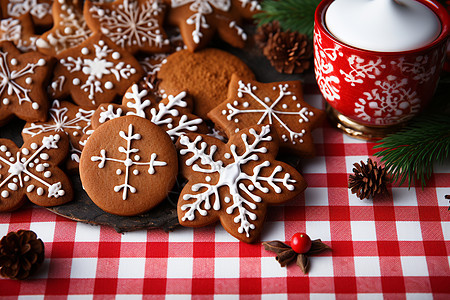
x=267 y=99
x=298 y=105
x=40 y=168
x=118 y=171
x=35 y=106
x=67 y=30
x=44 y=156
x=11 y=159
x=48 y=174
x=133 y=71
x=26 y=178
x=61 y=193
x=12 y=186
x=25 y=151
x=294 y=98
x=30 y=188
x=31 y=165
x=109 y=85
x=3 y=148
x=227 y=155
x=5 y=101
x=40 y=191
x=76 y=81
x=8 y=154
x=5 y=194
x=236 y=121
x=85 y=51
x=137 y=157
x=245 y=104
x=15 y=180
x=284 y=106
x=75 y=133
x=208 y=178
x=136 y=172
x=28 y=80
x=41 y=62
x=224 y=112
x=14 y=62
x=36 y=161
x=116 y=55
x=23 y=159
x=235 y=103
x=34 y=146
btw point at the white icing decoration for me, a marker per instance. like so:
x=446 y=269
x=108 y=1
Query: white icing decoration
x=11 y=30
x=233 y=177
x=109 y=113
x=97 y=68
x=19 y=170
x=200 y=9
x=17 y=8
x=8 y=79
x=254 y=4
x=270 y=110
x=130 y=24
x=128 y=162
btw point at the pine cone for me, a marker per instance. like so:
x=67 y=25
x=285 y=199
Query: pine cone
x=289 y=52
x=265 y=31
x=369 y=180
x=21 y=254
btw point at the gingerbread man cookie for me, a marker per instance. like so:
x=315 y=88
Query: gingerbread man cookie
x=133 y=25
x=278 y=103
x=171 y=114
x=94 y=72
x=235 y=182
x=22 y=91
x=205 y=74
x=39 y=10
x=69 y=28
x=68 y=118
x=32 y=171
x=128 y=166
x=19 y=31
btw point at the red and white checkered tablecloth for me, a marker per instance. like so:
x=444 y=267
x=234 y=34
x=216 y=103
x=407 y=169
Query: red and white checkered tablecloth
x=396 y=247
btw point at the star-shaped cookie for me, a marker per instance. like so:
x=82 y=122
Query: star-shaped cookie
x=19 y=31
x=280 y=104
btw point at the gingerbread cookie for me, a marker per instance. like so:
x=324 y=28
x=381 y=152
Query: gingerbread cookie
x=19 y=31
x=172 y=113
x=22 y=91
x=128 y=166
x=199 y=20
x=39 y=10
x=94 y=72
x=234 y=182
x=133 y=25
x=69 y=28
x=247 y=8
x=32 y=171
x=67 y=118
x=278 y=103
x=205 y=74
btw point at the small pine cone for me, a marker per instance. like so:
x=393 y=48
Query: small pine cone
x=289 y=52
x=21 y=254
x=369 y=180
x=265 y=31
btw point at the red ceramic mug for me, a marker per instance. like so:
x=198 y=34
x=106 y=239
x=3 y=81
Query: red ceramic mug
x=368 y=92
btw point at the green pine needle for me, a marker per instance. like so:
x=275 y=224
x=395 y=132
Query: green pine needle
x=410 y=153
x=293 y=15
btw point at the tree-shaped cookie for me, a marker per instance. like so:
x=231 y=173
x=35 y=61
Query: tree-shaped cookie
x=278 y=103
x=19 y=31
x=39 y=10
x=68 y=118
x=23 y=77
x=134 y=25
x=69 y=28
x=234 y=182
x=173 y=113
x=32 y=171
x=94 y=72
x=128 y=166
x=199 y=20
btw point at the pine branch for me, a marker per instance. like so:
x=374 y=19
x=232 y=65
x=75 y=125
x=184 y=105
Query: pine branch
x=410 y=153
x=293 y=15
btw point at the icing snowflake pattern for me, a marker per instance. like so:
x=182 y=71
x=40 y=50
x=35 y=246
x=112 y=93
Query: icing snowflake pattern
x=390 y=103
x=128 y=162
x=12 y=30
x=16 y=8
x=241 y=185
x=8 y=80
x=96 y=68
x=200 y=9
x=252 y=4
x=269 y=109
x=19 y=174
x=132 y=24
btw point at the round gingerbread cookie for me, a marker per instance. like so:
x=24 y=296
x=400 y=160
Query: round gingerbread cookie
x=205 y=74
x=128 y=166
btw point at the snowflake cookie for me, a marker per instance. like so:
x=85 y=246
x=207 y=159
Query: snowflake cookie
x=19 y=31
x=23 y=77
x=64 y=117
x=199 y=20
x=234 y=182
x=128 y=166
x=278 y=103
x=172 y=113
x=32 y=172
x=69 y=28
x=134 y=25
x=39 y=10
x=94 y=72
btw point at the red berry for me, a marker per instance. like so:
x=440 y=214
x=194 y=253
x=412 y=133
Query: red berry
x=300 y=242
